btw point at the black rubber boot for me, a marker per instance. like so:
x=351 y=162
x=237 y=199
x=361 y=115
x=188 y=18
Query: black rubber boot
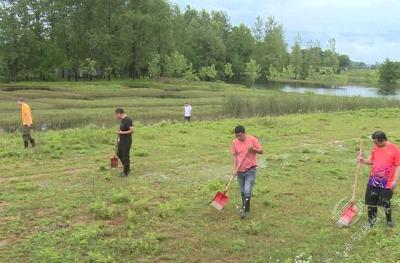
x=246 y=208
x=26 y=144
x=389 y=221
x=372 y=215
x=32 y=142
x=247 y=205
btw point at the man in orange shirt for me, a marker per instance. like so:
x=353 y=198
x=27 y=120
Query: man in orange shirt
x=244 y=150
x=385 y=172
x=26 y=116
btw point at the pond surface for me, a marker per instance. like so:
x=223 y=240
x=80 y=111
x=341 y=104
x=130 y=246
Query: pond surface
x=347 y=90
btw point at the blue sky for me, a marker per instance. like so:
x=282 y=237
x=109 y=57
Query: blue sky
x=367 y=30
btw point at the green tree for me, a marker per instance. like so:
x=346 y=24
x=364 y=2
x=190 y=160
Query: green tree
x=296 y=58
x=228 y=71
x=155 y=67
x=275 y=46
x=240 y=47
x=208 y=73
x=330 y=56
x=252 y=72
x=175 y=65
x=258 y=29
x=344 y=62
x=190 y=74
x=389 y=73
x=312 y=60
x=274 y=74
x=88 y=68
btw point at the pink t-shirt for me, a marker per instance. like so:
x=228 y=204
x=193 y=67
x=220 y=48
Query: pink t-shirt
x=239 y=149
x=384 y=162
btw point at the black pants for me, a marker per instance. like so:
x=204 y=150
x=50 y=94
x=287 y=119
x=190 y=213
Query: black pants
x=26 y=136
x=187 y=118
x=374 y=197
x=123 y=153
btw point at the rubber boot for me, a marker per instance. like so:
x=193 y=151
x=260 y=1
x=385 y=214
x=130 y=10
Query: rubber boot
x=389 y=221
x=243 y=199
x=247 y=205
x=246 y=208
x=32 y=142
x=26 y=144
x=372 y=215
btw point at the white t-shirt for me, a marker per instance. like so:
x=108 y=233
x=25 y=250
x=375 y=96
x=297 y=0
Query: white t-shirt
x=188 y=110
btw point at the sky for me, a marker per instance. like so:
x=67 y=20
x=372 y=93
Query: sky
x=366 y=30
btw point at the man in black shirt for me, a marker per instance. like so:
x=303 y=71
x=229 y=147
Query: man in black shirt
x=125 y=139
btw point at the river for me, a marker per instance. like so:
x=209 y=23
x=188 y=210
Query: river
x=347 y=90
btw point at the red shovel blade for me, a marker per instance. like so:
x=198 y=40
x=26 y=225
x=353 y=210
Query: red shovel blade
x=219 y=201
x=348 y=215
x=114 y=162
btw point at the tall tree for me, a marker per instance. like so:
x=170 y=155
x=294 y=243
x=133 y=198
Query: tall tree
x=240 y=47
x=296 y=57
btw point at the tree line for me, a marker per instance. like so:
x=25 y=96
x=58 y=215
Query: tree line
x=105 y=39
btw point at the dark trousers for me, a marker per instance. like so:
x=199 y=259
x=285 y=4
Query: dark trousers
x=26 y=136
x=123 y=153
x=374 y=197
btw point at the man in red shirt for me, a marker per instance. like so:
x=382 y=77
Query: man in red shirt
x=385 y=171
x=244 y=150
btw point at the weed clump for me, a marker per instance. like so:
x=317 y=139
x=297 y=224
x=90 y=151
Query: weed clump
x=120 y=198
x=100 y=210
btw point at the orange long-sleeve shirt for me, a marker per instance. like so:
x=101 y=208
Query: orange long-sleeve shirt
x=26 y=114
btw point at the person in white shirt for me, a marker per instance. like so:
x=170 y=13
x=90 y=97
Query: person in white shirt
x=187 y=111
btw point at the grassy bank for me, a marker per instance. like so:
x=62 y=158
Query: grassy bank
x=279 y=104
x=58 y=105
x=365 y=77
x=61 y=203
x=61 y=105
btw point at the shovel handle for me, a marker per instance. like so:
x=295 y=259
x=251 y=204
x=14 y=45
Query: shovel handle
x=357 y=174
x=235 y=172
x=116 y=145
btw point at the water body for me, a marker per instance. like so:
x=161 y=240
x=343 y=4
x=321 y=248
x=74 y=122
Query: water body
x=347 y=90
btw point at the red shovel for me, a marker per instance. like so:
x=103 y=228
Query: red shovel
x=114 y=159
x=221 y=199
x=351 y=210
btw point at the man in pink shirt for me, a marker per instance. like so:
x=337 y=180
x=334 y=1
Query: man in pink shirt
x=244 y=150
x=384 y=177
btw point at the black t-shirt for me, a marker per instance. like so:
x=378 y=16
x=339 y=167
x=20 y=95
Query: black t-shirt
x=125 y=124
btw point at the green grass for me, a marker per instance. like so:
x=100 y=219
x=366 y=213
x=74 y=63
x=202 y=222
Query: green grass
x=61 y=203
x=367 y=77
x=278 y=104
x=63 y=105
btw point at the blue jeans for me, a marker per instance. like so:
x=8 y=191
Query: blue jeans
x=246 y=182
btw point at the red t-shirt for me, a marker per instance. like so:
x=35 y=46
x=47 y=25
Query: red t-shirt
x=239 y=149
x=384 y=162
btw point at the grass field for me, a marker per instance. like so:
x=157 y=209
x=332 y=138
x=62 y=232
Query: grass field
x=62 y=105
x=60 y=202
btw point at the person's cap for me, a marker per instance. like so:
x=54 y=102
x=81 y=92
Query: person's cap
x=20 y=99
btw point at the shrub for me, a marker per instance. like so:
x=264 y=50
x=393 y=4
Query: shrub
x=102 y=211
x=120 y=198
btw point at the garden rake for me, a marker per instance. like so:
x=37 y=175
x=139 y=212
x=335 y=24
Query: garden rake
x=351 y=210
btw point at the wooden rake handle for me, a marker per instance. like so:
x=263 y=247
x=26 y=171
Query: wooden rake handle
x=116 y=145
x=235 y=172
x=357 y=174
